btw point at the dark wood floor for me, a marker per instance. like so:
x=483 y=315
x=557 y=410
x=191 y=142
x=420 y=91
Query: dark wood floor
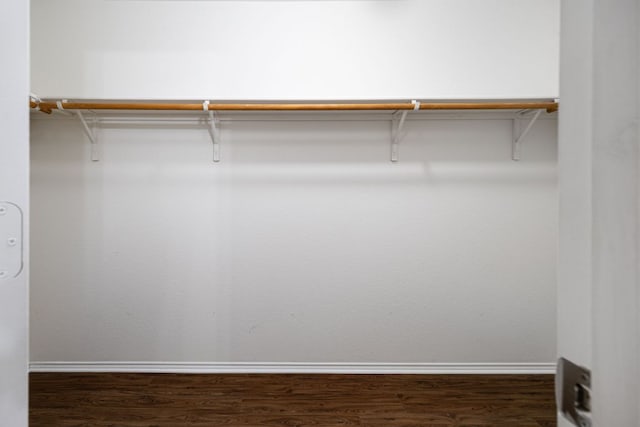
x=291 y=400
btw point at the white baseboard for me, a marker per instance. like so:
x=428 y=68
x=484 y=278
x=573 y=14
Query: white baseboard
x=295 y=368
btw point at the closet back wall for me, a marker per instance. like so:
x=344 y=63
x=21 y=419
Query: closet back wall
x=295 y=49
x=304 y=244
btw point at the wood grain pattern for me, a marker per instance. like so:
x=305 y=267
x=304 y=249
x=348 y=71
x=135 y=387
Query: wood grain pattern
x=107 y=399
x=47 y=106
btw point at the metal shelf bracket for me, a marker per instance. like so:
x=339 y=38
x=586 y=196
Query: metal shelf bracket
x=518 y=136
x=213 y=125
x=90 y=131
x=397 y=129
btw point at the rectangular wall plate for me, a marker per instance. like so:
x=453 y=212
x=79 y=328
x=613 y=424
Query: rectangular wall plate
x=11 y=241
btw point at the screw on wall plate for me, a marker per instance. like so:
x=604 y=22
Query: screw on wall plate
x=3 y=274
x=3 y=210
x=11 y=241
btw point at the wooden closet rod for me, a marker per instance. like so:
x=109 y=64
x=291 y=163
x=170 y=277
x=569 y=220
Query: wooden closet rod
x=47 y=106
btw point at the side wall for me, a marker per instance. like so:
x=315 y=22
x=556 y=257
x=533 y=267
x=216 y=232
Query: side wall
x=14 y=198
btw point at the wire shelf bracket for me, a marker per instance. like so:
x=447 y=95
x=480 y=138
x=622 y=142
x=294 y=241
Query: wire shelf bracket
x=91 y=134
x=518 y=136
x=213 y=126
x=397 y=129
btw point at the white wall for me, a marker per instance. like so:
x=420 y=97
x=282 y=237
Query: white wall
x=599 y=164
x=615 y=147
x=352 y=49
x=14 y=189
x=575 y=183
x=305 y=244
x=574 y=302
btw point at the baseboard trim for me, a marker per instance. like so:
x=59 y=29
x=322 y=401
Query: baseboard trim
x=295 y=368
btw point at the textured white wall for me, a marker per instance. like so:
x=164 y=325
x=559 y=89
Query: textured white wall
x=304 y=244
x=351 y=49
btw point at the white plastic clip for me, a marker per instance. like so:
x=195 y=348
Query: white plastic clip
x=92 y=137
x=214 y=132
x=416 y=104
x=61 y=107
x=205 y=105
x=518 y=137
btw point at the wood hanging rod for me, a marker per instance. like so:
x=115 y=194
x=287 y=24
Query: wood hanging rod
x=47 y=106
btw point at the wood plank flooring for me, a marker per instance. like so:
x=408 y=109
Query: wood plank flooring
x=64 y=399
